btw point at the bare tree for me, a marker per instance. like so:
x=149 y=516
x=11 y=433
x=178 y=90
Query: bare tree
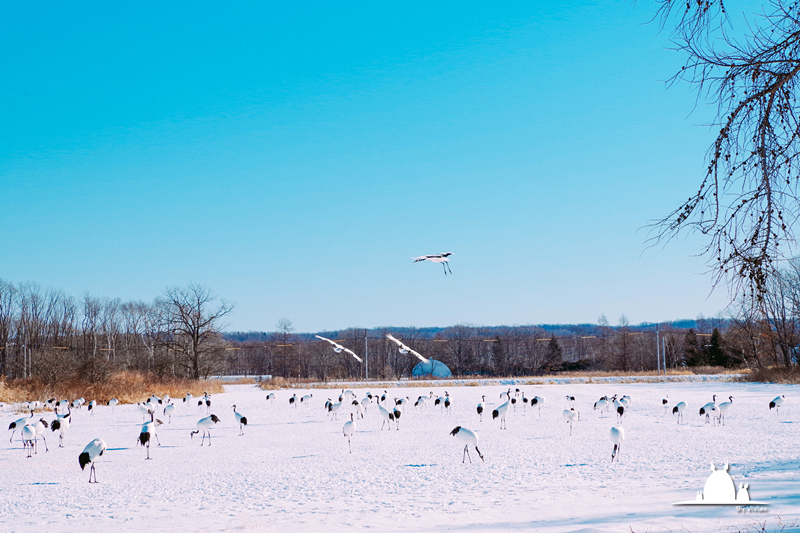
x=284 y=338
x=193 y=318
x=8 y=304
x=747 y=201
x=623 y=345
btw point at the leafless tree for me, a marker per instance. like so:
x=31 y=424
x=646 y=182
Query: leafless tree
x=747 y=202
x=7 y=315
x=193 y=318
x=622 y=345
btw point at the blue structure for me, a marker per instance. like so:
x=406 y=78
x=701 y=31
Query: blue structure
x=432 y=368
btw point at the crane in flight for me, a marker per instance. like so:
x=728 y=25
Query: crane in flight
x=439 y=258
x=338 y=348
x=405 y=349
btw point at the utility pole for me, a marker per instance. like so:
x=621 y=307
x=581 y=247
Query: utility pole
x=658 y=359
x=366 y=355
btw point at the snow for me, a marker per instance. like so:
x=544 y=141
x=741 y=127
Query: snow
x=291 y=469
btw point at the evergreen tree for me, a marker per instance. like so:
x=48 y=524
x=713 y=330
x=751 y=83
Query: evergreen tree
x=715 y=352
x=498 y=357
x=553 y=358
x=693 y=354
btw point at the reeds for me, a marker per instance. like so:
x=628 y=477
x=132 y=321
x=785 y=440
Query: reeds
x=775 y=374
x=127 y=387
x=587 y=376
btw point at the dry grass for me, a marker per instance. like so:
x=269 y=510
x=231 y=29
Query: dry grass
x=775 y=374
x=238 y=381
x=127 y=387
x=278 y=383
x=687 y=371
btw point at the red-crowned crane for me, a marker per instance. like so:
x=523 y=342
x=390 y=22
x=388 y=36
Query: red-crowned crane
x=397 y=410
x=241 y=419
x=333 y=409
x=723 y=408
x=538 y=401
x=709 y=408
x=205 y=424
x=387 y=416
x=678 y=409
x=169 y=410
x=469 y=438
x=61 y=424
x=500 y=412
x=147 y=433
x=90 y=453
x=146 y=409
x=338 y=348
x=39 y=427
x=617 y=436
x=480 y=408
x=403 y=349
x=569 y=416
x=776 y=403
x=349 y=429
x=442 y=258
x=18 y=424
x=620 y=408
x=601 y=404
x=28 y=438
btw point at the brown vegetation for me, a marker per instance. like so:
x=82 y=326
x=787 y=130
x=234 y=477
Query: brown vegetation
x=127 y=387
x=775 y=374
x=472 y=381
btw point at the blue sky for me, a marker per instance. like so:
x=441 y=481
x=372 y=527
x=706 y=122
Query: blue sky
x=293 y=157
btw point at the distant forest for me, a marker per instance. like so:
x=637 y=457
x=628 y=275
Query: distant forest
x=491 y=351
x=50 y=336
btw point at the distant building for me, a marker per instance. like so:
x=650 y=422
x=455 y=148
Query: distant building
x=432 y=368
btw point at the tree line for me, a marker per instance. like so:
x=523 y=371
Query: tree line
x=52 y=336
x=49 y=335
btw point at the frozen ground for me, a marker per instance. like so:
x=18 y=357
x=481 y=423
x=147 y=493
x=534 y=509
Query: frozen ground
x=291 y=469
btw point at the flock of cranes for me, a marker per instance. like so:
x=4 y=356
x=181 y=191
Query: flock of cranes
x=390 y=408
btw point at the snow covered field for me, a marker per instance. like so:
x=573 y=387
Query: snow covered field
x=291 y=469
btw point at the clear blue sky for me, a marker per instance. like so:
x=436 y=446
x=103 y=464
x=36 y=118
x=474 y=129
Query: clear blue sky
x=294 y=156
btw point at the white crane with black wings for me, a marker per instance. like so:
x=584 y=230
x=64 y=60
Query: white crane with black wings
x=439 y=258
x=405 y=349
x=338 y=348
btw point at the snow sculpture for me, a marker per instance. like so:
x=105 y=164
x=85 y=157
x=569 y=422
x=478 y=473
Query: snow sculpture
x=720 y=487
x=743 y=495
